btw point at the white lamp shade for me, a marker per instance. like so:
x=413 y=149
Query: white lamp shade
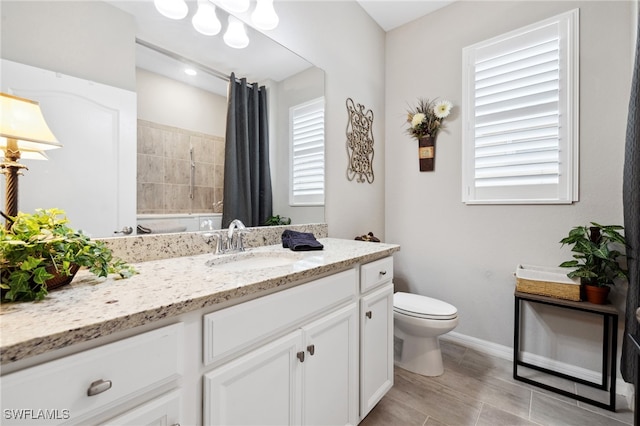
x=235 y=36
x=237 y=6
x=205 y=21
x=172 y=9
x=21 y=119
x=264 y=16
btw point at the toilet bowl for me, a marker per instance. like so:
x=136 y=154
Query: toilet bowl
x=418 y=322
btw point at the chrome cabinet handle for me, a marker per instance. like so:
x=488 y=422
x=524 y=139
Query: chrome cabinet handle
x=125 y=230
x=300 y=356
x=98 y=387
x=311 y=349
x=368 y=314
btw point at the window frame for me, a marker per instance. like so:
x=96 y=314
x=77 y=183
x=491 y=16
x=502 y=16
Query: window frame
x=567 y=189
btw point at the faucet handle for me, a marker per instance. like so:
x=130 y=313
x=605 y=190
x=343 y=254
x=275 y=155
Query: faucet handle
x=217 y=236
x=240 y=242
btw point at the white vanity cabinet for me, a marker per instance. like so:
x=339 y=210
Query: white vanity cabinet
x=329 y=362
x=92 y=386
x=308 y=376
x=376 y=332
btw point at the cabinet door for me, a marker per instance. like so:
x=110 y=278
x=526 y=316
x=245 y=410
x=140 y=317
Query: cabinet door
x=376 y=347
x=259 y=388
x=330 y=369
x=162 y=411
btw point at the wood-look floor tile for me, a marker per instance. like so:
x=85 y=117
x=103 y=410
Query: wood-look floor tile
x=389 y=412
x=503 y=394
x=623 y=413
x=433 y=422
x=550 y=380
x=550 y=411
x=492 y=416
x=433 y=399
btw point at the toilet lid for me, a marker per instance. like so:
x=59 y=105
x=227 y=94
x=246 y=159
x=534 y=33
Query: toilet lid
x=423 y=307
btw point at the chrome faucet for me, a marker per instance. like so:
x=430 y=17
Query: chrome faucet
x=225 y=243
x=236 y=224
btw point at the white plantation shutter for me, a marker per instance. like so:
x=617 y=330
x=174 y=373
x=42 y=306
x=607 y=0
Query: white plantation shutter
x=307 y=153
x=520 y=137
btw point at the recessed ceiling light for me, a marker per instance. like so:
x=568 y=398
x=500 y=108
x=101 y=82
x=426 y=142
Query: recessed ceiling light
x=190 y=71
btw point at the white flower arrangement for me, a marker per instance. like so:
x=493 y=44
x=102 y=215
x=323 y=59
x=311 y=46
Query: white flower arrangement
x=426 y=119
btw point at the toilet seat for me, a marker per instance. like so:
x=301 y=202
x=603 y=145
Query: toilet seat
x=418 y=306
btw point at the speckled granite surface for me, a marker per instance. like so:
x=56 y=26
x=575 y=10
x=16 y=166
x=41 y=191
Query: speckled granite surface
x=91 y=307
x=141 y=248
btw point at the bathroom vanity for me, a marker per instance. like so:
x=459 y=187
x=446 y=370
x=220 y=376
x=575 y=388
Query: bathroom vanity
x=267 y=337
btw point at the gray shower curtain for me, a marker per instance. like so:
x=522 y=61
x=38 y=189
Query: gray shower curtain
x=247 y=177
x=631 y=206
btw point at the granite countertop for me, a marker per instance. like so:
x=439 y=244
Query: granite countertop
x=92 y=307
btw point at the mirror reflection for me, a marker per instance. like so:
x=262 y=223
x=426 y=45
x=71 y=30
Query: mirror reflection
x=178 y=121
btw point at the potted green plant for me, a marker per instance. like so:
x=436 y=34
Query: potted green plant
x=596 y=258
x=277 y=220
x=40 y=251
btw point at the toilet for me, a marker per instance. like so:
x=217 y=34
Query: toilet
x=418 y=322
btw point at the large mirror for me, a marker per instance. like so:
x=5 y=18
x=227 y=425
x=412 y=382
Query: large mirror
x=160 y=49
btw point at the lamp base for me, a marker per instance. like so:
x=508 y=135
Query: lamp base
x=11 y=168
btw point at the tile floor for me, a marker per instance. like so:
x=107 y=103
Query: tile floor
x=478 y=389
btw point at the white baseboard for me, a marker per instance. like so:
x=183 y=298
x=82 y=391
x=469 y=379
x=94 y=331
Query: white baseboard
x=506 y=352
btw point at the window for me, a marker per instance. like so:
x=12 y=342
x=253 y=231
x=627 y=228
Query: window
x=520 y=109
x=307 y=153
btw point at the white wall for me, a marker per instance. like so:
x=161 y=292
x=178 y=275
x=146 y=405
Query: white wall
x=295 y=90
x=340 y=38
x=466 y=255
x=172 y=103
x=89 y=40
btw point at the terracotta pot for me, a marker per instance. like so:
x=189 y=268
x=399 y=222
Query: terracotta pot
x=427 y=153
x=596 y=295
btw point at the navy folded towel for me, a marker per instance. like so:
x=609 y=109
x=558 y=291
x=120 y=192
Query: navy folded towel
x=300 y=241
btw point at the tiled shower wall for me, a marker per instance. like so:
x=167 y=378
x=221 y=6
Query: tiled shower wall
x=163 y=181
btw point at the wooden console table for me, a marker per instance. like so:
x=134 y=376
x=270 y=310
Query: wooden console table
x=609 y=348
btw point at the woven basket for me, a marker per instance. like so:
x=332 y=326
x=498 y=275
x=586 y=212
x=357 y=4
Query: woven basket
x=60 y=279
x=552 y=282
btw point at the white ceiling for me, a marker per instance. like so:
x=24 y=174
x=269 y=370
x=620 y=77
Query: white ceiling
x=392 y=14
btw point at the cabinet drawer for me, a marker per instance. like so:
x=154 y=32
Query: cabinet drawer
x=238 y=327
x=376 y=273
x=60 y=389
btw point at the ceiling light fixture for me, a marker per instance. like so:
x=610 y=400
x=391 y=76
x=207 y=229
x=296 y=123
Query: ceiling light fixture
x=172 y=9
x=237 y=6
x=190 y=71
x=205 y=21
x=264 y=16
x=236 y=36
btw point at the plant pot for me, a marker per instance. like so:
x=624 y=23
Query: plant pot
x=596 y=295
x=60 y=279
x=427 y=153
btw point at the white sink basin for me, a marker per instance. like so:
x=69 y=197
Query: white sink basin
x=254 y=260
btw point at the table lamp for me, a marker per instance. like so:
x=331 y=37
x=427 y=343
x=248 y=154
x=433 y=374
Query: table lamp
x=23 y=130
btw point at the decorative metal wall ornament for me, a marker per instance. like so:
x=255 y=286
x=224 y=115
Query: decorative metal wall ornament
x=359 y=142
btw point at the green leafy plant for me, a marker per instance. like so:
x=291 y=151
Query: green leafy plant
x=277 y=220
x=596 y=255
x=39 y=245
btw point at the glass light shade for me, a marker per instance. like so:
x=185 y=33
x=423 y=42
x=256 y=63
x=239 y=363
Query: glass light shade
x=236 y=36
x=172 y=9
x=237 y=6
x=21 y=119
x=205 y=21
x=264 y=16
